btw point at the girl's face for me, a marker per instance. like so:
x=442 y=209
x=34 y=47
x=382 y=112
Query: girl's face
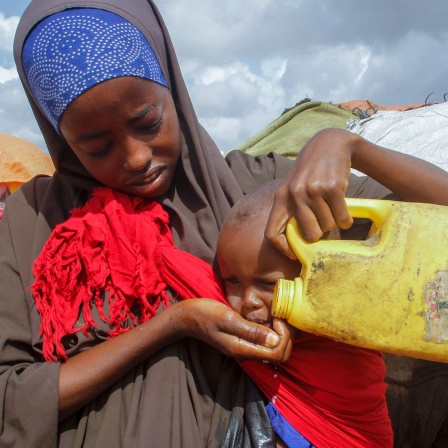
x=250 y=267
x=126 y=133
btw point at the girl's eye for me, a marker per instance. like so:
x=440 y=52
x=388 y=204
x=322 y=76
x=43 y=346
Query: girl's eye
x=101 y=153
x=232 y=280
x=152 y=127
x=268 y=283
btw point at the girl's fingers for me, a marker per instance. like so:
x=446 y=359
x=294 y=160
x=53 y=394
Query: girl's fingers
x=275 y=228
x=229 y=323
x=341 y=216
x=256 y=342
x=316 y=219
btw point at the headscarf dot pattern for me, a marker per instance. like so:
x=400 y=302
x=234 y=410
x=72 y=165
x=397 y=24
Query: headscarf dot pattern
x=71 y=51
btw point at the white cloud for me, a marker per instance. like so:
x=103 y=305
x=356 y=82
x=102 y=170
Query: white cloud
x=365 y=55
x=7 y=74
x=235 y=98
x=16 y=116
x=8 y=28
x=267 y=84
x=223 y=129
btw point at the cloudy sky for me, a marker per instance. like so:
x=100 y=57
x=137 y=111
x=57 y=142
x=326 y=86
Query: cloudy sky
x=245 y=61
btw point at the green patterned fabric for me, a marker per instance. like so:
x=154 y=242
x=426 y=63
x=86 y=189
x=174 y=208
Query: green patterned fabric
x=288 y=134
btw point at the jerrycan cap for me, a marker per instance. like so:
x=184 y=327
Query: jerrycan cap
x=283 y=299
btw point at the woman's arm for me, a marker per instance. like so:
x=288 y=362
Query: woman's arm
x=314 y=190
x=26 y=383
x=89 y=373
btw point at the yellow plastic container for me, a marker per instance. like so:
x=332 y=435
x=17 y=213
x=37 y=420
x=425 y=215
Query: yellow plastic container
x=389 y=292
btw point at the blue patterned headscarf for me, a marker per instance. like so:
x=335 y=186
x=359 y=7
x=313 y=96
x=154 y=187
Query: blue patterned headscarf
x=71 y=51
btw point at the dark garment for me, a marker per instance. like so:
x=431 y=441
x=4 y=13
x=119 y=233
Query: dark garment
x=417 y=397
x=188 y=395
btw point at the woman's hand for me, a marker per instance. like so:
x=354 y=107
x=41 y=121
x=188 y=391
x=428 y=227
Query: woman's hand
x=89 y=373
x=314 y=190
x=224 y=329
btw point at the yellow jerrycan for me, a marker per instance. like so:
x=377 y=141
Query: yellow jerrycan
x=388 y=292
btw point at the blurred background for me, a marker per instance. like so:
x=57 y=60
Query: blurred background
x=246 y=61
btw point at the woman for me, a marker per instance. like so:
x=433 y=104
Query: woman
x=156 y=384
x=155 y=388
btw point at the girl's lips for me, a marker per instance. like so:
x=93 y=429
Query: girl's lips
x=147 y=178
x=152 y=184
x=255 y=320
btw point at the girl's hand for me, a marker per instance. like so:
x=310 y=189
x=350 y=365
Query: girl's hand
x=224 y=329
x=314 y=190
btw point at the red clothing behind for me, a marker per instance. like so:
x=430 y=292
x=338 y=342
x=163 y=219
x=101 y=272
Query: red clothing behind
x=332 y=393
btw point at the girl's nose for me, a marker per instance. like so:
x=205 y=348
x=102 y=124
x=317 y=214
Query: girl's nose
x=137 y=156
x=251 y=299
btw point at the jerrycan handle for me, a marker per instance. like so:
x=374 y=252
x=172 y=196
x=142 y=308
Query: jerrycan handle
x=376 y=210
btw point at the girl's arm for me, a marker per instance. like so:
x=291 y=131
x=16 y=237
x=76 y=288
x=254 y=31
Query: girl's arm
x=89 y=373
x=314 y=190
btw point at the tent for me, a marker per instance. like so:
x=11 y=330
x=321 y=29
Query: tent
x=20 y=160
